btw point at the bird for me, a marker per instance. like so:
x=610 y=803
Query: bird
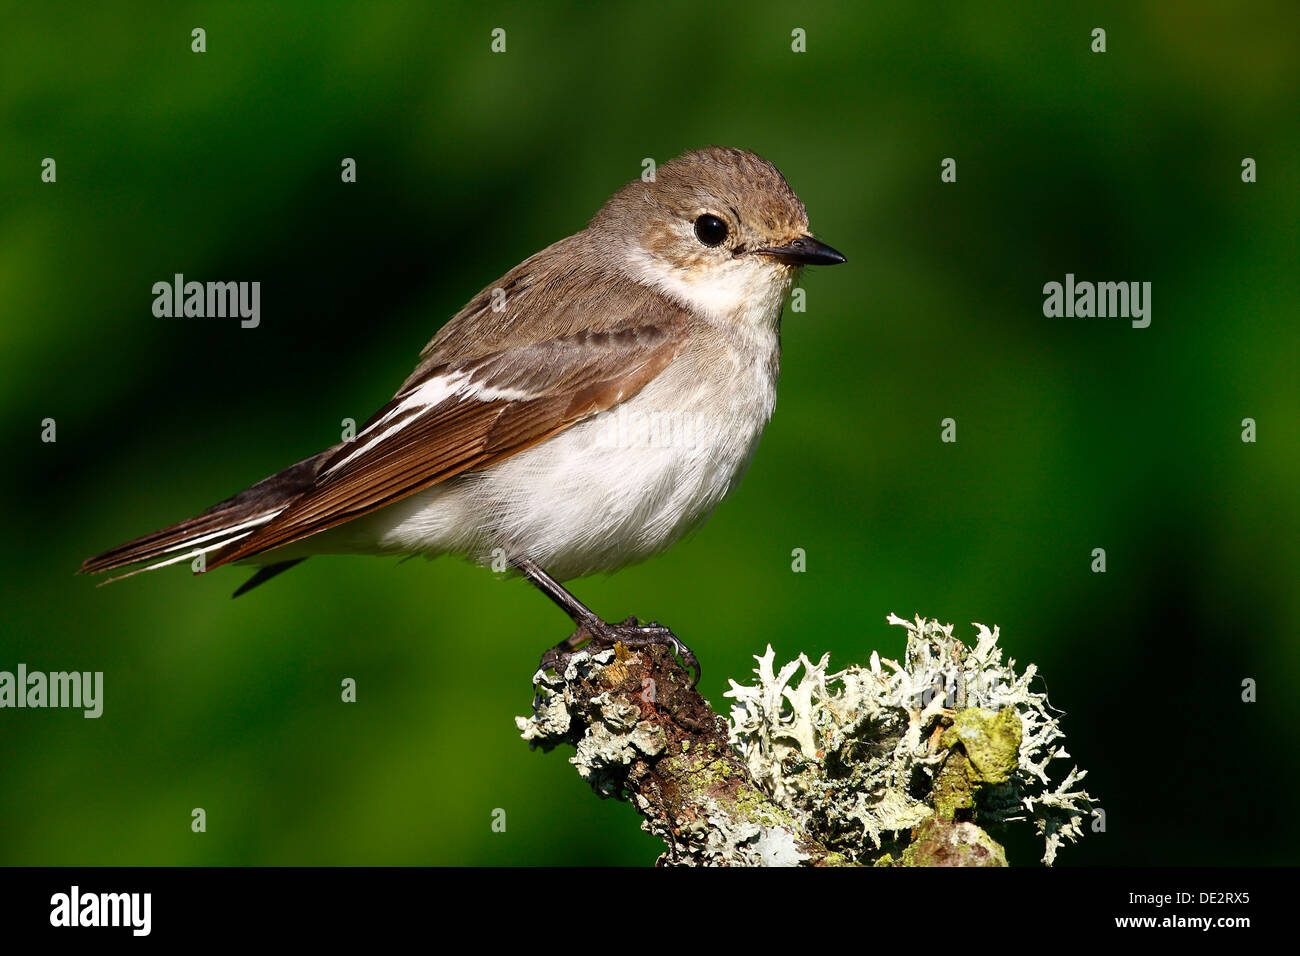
x=580 y=414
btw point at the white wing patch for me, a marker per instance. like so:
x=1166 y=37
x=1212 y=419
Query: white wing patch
x=427 y=395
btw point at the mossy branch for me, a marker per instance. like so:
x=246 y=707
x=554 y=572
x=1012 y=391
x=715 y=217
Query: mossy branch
x=881 y=765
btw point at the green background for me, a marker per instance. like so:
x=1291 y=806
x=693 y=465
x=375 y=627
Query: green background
x=1072 y=433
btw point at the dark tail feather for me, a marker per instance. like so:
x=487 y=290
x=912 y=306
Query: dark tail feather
x=174 y=539
x=230 y=520
x=265 y=573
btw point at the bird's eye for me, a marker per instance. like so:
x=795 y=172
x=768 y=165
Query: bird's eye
x=710 y=230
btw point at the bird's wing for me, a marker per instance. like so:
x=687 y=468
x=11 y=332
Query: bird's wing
x=471 y=412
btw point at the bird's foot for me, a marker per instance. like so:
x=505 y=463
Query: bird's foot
x=631 y=633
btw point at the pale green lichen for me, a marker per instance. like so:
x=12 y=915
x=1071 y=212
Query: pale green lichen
x=886 y=764
x=608 y=745
x=716 y=818
x=865 y=755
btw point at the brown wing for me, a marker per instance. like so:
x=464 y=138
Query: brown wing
x=469 y=413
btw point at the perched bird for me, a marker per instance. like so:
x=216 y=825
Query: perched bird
x=581 y=413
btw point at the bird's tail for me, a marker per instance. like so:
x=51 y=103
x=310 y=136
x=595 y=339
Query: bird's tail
x=183 y=541
x=224 y=523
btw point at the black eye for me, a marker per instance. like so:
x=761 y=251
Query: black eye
x=710 y=230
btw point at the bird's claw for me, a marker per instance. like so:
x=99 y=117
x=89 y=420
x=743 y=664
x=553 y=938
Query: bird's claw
x=630 y=633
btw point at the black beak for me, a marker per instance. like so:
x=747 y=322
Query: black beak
x=804 y=251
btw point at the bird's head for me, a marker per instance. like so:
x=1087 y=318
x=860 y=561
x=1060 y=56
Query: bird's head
x=718 y=229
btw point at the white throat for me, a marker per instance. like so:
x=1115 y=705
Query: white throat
x=748 y=291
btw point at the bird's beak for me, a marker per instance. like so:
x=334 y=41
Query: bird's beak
x=804 y=251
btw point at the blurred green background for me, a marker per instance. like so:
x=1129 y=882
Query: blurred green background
x=1072 y=433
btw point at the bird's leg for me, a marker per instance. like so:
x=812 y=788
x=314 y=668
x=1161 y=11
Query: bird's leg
x=592 y=628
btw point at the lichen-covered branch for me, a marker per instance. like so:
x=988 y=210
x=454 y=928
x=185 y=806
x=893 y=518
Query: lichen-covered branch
x=642 y=732
x=887 y=764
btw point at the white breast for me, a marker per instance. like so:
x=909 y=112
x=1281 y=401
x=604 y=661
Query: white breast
x=608 y=492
